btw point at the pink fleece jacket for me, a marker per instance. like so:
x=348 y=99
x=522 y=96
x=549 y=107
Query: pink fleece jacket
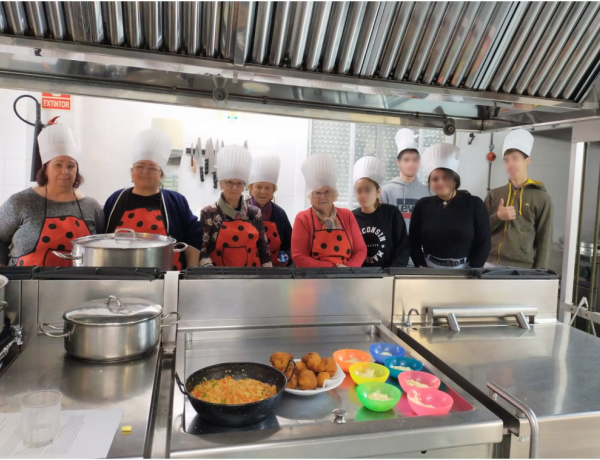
x=302 y=235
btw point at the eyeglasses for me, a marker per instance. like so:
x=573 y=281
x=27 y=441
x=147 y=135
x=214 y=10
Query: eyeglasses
x=231 y=184
x=151 y=169
x=327 y=194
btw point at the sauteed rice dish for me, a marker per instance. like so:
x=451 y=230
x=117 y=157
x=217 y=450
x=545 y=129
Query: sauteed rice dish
x=230 y=391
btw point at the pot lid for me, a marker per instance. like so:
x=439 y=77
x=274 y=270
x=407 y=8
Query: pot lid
x=124 y=238
x=112 y=310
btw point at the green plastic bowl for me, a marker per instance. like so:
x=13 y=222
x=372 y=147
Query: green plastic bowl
x=365 y=389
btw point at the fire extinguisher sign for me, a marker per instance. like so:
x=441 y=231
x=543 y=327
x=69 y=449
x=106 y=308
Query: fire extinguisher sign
x=56 y=101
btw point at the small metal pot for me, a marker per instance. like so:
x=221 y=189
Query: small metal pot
x=124 y=248
x=111 y=330
x=3 y=303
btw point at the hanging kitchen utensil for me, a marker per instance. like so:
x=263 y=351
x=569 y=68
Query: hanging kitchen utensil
x=36 y=159
x=205 y=154
x=213 y=169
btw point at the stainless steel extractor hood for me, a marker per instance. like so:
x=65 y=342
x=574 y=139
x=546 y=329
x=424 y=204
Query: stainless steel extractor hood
x=487 y=65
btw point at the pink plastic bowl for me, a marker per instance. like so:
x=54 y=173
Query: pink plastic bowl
x=418 y=376
x=441 y=402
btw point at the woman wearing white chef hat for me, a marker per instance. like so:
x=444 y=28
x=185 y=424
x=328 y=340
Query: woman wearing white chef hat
x=264 y=174
x=450 y=229
x=382 y=225
x=323 y=235
x=41 y=221
x=233 y=231
x=146 y=207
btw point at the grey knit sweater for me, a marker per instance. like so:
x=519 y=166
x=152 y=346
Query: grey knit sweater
x=22 y=218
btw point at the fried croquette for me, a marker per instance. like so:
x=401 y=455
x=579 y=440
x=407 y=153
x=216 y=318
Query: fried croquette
x=307 y=380
x=322 y=377
x=280 y=360
x=312 y=361
x=300 y=366
x=327 y=365
x=293 y=383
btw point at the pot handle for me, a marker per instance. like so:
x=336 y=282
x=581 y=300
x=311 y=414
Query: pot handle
x=115 y=298
x=66 y=256
x=179 y=384
x=3 y=305
x=287 y=367
x=174 y=322
x=128 y=231
x=182 y=248
x=49 y=334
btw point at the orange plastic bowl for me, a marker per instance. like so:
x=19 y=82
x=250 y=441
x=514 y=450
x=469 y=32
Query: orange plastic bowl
x=343 y=356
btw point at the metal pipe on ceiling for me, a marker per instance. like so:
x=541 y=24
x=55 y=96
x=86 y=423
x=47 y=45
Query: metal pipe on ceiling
x=226 y=37
x=414 y=35
x=542 y=47
x=459 y=41
x=173 y=22
x=530 y=45
x=573 y=72
x=383 y=24
x=134 y=29
x=3 y=23
x=443 y=40
x=300 y=28
x=334 y=35
x=350 y=37
x=560 y=65
x=112 y=12
x=392 y=48
x=317 y=34
x=211 y=18
x=192 y=30
x=264 y=19
x=84 y=22
x=557 y=45
x=430 y=33
x=152 y=20
x=36 y=17
x=56 y=20
x=16 y=18
x=243 y=25
x=367 y=30
x=283 y=12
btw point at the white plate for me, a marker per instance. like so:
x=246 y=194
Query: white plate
x=335 y=381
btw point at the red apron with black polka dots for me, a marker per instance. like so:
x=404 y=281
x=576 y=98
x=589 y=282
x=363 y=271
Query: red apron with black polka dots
x=56 y=235
x=146 y=220
x=330 y=245
x=236 y=245
x=274 y=240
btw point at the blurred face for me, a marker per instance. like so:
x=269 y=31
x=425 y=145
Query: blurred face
x=146 y=174
x=366 y=192
x=409 y=163
x=232 y=189
x=61 y=172
x=262 y=192
x=322 y=198
x=516 y=164
x=441 y=183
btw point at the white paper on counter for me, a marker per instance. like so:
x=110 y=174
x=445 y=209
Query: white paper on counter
x=83 y=434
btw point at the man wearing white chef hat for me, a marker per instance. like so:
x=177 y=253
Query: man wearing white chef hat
x=450 y=229
x=146 y=207
x=233 y=231
x=404 y=191
x=264 y=174
x=520 y=211
x=324 y=235
x=381 y=225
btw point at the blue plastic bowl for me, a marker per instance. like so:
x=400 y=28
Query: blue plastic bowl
x=377 y=348
x=402 y=361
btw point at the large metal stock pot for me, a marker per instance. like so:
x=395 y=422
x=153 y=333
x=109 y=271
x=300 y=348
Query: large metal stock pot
x=3 y=303
x=124 y=248
x=111 y=329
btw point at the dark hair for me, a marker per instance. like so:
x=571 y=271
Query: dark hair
x=402 y=152
x=42 y=178
x=448 y=173
x=509 y=151
x=377 y=188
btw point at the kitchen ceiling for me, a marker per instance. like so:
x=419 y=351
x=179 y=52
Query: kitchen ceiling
x=487 y=65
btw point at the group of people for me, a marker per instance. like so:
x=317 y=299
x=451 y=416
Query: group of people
x=448 y=227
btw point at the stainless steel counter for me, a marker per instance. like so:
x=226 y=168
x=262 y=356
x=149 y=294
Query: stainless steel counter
x=302 y=426
x=128 y=386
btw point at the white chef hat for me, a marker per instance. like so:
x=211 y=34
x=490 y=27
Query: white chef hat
x=440 y=155
x=369 y=167
x=234 y=162
x=518 y=139
x=152 y=145
x=319 y=170
x=57 y=140
x=405 y=139
x=265 y=168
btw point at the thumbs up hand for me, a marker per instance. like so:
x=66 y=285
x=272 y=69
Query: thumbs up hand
x=506 y=212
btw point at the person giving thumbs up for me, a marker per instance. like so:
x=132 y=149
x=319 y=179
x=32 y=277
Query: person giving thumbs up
x=506 y=212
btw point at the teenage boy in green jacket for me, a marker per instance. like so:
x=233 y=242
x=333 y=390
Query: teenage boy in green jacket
x=520 y=211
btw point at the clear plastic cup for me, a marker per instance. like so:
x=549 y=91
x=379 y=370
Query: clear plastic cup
x=40 y=418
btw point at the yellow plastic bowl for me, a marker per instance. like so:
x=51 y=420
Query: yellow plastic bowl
x=357 y=371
